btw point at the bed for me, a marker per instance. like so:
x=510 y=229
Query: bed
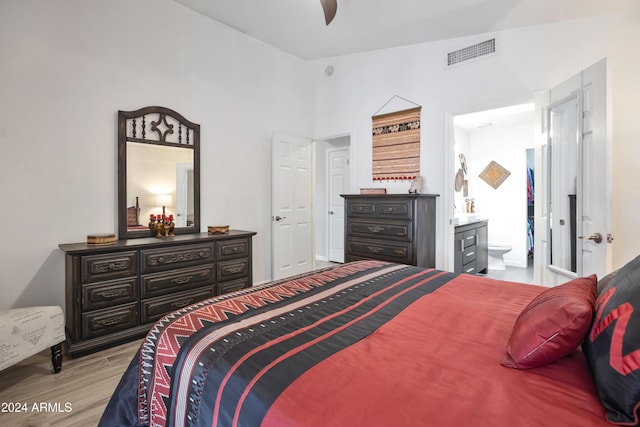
x=371 y=343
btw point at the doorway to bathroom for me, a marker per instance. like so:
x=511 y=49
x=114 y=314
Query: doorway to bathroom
x=494 y=149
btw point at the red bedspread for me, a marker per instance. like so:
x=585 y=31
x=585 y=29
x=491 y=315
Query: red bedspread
x=438 y=364
x=364 y=344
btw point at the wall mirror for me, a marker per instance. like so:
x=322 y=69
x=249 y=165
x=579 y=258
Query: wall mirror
x=564 y=154
x=158 y=171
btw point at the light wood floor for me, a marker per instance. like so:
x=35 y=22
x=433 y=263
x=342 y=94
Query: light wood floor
x=76 y=397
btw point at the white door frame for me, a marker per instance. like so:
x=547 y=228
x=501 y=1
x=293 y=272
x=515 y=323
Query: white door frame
x=447 y=195
x=540 y=226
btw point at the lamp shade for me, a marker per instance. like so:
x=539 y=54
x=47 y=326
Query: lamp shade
x=164 y=200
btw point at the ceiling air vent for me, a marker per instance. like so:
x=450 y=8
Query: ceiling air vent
x=471 y=52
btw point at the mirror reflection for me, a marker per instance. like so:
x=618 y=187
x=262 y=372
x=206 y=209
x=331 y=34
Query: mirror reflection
x=158 y=173
x=159 y=181
x=563 y=181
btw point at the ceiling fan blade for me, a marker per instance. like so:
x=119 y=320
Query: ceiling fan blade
x=329 y=7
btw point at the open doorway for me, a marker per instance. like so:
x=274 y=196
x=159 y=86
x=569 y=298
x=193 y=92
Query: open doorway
x=332 y=178
x=505 y=136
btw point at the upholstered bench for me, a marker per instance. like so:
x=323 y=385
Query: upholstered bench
x=27 y=331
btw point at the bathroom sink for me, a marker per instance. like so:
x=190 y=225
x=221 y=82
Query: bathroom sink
x=465 y=218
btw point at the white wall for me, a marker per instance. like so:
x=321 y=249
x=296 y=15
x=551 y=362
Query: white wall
x=529 y=60
x=506 y=206
x=68 y=66
x=462 y=145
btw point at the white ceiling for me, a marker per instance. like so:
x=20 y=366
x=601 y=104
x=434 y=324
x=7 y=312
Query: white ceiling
x=504 y=117
x=298 y=27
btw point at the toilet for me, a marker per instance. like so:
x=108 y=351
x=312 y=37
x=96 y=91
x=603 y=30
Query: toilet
x=496 y=253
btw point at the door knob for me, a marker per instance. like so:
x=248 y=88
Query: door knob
x=330 y=212
x=279 y=218
x=596 y=237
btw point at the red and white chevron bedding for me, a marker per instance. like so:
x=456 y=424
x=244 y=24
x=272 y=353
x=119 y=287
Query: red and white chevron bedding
x=366 y=343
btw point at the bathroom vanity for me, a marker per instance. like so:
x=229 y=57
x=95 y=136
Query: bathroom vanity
x=470 y=247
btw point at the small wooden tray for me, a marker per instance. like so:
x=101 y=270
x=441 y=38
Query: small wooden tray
x=218 y=229
x=373 y=191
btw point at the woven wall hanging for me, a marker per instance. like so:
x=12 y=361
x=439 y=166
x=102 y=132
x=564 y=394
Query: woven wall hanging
x=396 y=145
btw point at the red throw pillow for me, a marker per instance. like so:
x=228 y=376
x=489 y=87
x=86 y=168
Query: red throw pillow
x=553 y=324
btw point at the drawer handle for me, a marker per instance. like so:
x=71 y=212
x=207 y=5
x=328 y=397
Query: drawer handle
x=470 y=253
x=470 y=270
x=231 y=250
x=375 y=228
x=111 y=266
x=181 y=303
x=235 y=269
x=375 y=249
x=471 y=237
x=110 y=321
x=111 y=293
x=179 y=257
x=182 y=280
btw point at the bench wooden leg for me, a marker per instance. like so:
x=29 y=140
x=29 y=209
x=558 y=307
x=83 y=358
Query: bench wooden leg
x=56 y=357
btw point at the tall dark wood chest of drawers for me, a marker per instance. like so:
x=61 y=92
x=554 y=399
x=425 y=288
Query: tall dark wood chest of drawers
x=391 y=227
x=115 y=292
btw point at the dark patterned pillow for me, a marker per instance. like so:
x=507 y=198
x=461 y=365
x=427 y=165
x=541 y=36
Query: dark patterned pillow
x=612 y=346
x=604 y=282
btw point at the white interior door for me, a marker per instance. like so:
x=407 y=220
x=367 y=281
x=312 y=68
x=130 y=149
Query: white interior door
x=182 y=192
x=574 y=120
x=291 y=206
x=338 y=184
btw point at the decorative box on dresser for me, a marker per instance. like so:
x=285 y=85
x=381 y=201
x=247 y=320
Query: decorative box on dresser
x=391 y=227
x=471 y=248
x=115 y=292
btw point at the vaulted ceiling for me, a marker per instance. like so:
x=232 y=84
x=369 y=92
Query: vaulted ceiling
x=298 y=26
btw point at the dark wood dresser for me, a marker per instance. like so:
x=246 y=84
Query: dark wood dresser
x=470 y=248
x=391 y=227
x=115 y=292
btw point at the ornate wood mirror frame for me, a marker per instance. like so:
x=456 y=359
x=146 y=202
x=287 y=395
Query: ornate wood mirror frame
x=158 y=171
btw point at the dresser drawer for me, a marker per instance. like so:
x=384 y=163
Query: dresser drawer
x=110 y=293
x=469 y=254
x=372 y=229
x=391 y=251
x=155 y=308
x=231 y=249
x=388 y=209
x=176 y=257
x=233 y=269
x=469 y=238
x=176 y=280
x=96 y=268
x=109 y=320
x=469 y=268
x=233 y=285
